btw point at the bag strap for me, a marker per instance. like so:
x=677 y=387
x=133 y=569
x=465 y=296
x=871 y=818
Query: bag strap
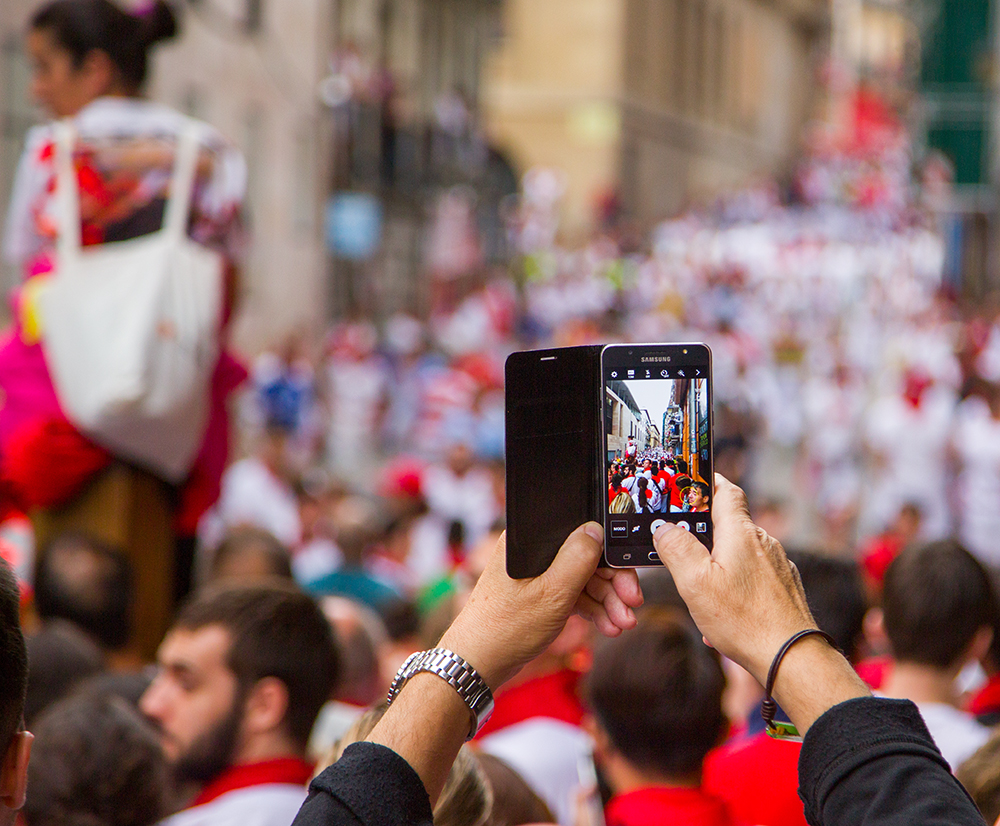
x=182 y=182
x=67 y=192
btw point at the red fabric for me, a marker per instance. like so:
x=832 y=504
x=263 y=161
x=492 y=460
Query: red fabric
x=676 y=497
x=669 y=488
x=204 y=482
x=874 y=671
x=987 y=699
x=48 y=461
x=877 y=554
x=289 y=770
x=555 y=696
x=660 y=806
x=758 y=778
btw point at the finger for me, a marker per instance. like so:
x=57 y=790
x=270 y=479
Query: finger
x=588 y=608
x=626 y=585
x=577 y=559
x=680 y=552
x=602 y=591
x=730 y=511
x=499 y=555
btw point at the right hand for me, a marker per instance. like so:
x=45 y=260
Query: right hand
x=745 y=596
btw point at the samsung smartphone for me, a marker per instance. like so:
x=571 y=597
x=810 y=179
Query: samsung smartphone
x=552 y=452
x=657 y=446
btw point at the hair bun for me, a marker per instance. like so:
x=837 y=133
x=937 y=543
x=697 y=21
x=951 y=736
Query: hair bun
x=157 y=22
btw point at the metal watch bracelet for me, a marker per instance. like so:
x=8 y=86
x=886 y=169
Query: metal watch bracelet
x=457 y=673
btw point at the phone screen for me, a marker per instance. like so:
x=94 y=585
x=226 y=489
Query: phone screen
x=552 y=444
x=657 y=450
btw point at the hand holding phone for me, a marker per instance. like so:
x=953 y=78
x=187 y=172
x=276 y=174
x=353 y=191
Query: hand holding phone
x=620 y=435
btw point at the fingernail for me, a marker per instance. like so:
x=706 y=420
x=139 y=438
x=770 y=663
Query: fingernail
x=594 y=531
x=666 y=526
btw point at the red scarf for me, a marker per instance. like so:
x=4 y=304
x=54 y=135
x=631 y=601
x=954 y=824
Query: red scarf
x=288 y=770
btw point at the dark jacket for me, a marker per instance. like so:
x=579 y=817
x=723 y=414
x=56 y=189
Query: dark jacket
x=866 y=762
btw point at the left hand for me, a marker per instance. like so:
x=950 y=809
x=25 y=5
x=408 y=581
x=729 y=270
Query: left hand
x=507 y=622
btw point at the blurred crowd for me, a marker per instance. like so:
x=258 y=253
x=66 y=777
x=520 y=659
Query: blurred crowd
x=856 y=399
x=372 y=479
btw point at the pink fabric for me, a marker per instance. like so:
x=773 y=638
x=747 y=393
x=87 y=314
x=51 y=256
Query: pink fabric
x=26 y=391
x=28 y=399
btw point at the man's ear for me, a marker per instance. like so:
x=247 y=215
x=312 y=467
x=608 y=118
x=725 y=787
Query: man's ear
x=980 y=644
x=266 y=706
x=602 y=743
x=14 y=771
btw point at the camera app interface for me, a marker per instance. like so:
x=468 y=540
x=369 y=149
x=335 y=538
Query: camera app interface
x=657 y=429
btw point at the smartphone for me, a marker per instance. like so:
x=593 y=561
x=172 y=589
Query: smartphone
x=657 y=446
x=552 y=445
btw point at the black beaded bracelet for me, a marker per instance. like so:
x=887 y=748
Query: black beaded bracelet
x=768 y=708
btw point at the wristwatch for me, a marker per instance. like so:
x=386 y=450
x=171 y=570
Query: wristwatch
x=457 y=673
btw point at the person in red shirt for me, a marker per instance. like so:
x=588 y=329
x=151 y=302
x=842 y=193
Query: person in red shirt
x=656 y=696
x=615 y=487
x=756 y=775
x=666 y=483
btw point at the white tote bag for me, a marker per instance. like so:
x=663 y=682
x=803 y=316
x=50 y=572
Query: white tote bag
x=130 y=328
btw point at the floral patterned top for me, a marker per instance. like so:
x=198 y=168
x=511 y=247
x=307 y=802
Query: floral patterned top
x=124 y=158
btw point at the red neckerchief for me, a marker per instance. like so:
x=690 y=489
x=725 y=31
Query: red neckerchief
x=988 y=698
x=554 y=695
x=291 y=770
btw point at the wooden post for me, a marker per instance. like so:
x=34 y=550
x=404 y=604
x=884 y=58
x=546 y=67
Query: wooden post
x=128 y=509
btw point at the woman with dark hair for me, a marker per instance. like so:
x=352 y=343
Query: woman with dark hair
x=103 y=45
x=640 y=495
x=89 y=63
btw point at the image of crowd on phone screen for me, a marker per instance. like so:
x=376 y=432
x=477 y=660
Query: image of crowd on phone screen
x=654 y=431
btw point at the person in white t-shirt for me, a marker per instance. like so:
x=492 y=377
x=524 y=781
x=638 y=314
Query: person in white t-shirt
x=907 y=433
x=241 y=677
x=257 y=491
x=976 y=442
x=939 y=607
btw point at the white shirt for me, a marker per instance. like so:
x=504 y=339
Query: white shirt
x=956 y=733
x=269 y=804
x=252 y=495
x=976 y=440
x=546 y=753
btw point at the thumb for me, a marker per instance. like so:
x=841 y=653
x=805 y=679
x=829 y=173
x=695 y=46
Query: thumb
x=578 y=558
x=679 y=551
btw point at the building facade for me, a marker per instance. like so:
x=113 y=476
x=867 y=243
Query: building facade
x=316 y=93
x=662 y=102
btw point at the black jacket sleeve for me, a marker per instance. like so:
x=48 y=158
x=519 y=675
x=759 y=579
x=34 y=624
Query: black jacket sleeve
x=871 y=762
x=370 y=785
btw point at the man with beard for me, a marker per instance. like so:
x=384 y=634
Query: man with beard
x=242 y=675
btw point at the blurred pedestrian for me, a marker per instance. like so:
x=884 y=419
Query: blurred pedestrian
x=90 y=61
x=95 y=760
x=242 y=675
